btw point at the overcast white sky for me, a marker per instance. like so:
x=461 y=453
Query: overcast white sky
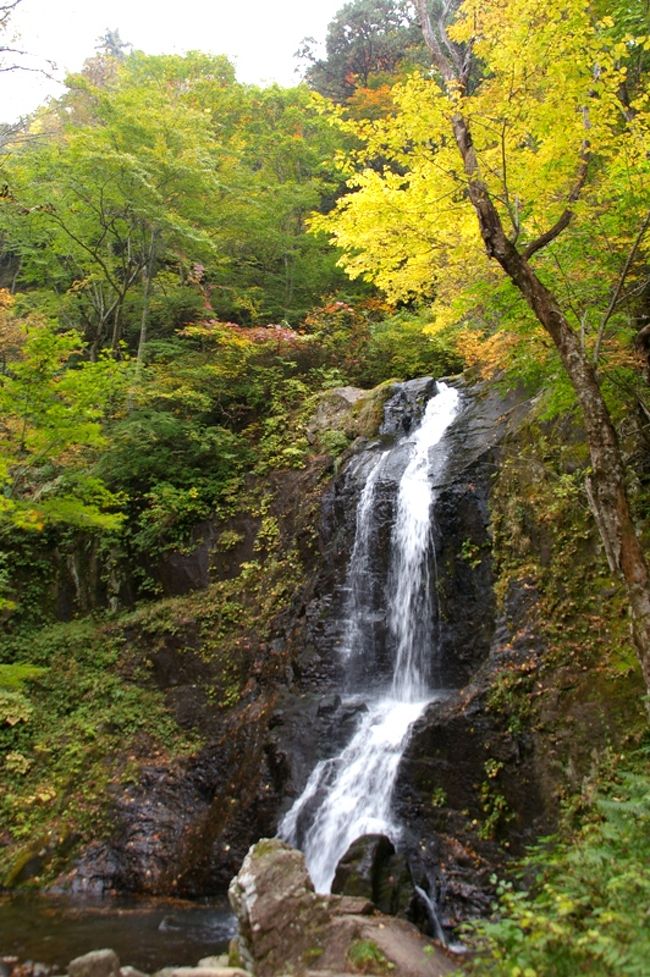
x=260 y=36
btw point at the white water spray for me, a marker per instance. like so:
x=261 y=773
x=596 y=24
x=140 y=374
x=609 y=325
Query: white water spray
x=350 y=795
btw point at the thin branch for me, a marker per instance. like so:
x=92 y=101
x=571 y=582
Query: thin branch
x=619 y=286
x=569 y=289
x=6 y=10
x=565 y=218
x=634 y=291
x=82 y=244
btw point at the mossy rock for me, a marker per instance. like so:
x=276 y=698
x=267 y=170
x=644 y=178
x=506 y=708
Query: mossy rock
x=347 y=413
x=35 y=859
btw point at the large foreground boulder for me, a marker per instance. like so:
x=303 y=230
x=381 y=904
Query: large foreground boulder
x=286 y=927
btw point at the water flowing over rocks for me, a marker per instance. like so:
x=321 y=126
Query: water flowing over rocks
x=186 y=829
x=350 y=794
x=463 y=609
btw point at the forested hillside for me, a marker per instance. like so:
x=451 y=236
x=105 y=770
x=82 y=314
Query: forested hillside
x=190 y=268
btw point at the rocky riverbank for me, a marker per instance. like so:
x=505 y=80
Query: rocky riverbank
x=106 y=963
x=286 y=928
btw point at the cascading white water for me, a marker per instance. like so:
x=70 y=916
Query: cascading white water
x=349 y=795
x=409 y=584
x=359 y=580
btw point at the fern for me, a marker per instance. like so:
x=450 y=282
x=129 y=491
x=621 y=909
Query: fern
x=589 y=909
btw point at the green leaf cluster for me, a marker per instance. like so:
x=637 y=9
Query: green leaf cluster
x=587 y=911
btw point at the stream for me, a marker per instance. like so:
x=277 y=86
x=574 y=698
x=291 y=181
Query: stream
x=146 y=933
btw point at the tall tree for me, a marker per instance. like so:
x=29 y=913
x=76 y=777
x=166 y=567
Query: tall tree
x=51 y=410
x=364 y=38
x=111 y=43
x=162 y=176
x=526 y=127
x=130 y=174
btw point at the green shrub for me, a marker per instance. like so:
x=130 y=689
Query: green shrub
x=588 y=911
x=366 y=958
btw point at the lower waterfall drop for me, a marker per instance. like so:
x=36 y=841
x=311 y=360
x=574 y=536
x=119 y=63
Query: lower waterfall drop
x=350 y=795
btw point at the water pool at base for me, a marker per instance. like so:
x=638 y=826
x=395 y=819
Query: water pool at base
x=145 y=933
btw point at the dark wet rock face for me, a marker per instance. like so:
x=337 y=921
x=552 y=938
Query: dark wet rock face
x=406 y=406
x=185 y=830
x=373 y=869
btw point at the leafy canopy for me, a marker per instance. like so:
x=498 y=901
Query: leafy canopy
x=52 y=407
x=562 y=104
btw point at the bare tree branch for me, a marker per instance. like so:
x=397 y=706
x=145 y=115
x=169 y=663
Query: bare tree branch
x=6 y=10
x=619 y=286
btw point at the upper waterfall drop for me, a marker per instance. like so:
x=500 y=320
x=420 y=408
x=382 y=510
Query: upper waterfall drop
x=409 y=598
x=350 y=795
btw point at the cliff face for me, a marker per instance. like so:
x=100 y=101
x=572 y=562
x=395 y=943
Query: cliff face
x=531 y=650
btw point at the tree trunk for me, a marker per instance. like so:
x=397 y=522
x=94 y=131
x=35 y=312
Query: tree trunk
x=606 y=483
x=147 y=275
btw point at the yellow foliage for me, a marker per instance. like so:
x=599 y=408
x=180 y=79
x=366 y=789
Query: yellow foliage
x=549 y=97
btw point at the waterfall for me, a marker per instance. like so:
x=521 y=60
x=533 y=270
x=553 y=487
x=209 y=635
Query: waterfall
x=349 y=795
x=359 y=617
x=413 y=555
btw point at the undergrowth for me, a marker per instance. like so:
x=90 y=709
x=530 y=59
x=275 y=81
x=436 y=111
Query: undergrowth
x=80 y=710
x=70 y=725
x=587 y=910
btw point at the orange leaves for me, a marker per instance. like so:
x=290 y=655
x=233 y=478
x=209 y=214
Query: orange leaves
x=371 y=103
x=489 y=354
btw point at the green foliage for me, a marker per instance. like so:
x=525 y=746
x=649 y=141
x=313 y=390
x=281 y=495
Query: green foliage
x=364 y=38
x=68 y=719
x=369 y=342
x=509 y=696
x=439 y=797
x=365 y=957
x=14 y=676
x=174 y=470
x=471 y=553
x=163 y=188
x=161 y=199
x=282 y=443
x=401 y=347
x=495 y=808
x=52 y=407
x=587 y=910
x=333 y=442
